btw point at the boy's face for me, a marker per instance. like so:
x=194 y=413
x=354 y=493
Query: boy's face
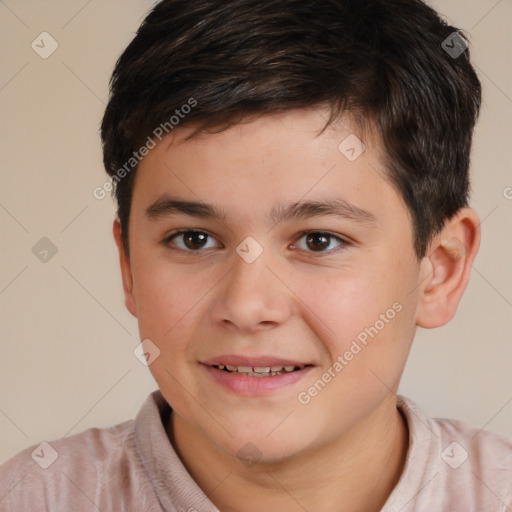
x=303 y=299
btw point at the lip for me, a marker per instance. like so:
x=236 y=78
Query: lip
x=249 y=385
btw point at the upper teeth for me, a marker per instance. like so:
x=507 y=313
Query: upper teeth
x=258 y=369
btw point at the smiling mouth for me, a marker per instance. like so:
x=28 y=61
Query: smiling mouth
x=259 y=371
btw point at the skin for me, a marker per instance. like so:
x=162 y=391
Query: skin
x=346 y=448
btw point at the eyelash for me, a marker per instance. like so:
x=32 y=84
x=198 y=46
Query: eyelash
x=343 y=242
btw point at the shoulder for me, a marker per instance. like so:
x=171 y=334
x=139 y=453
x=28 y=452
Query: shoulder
x=453 y=465
x=482 y=457
x=460 y=443
x=78 y=467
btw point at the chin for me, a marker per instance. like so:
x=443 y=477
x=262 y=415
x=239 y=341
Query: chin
x=253 y=455
x=262 y=448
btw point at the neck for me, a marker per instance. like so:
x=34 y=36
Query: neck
x=354 y=473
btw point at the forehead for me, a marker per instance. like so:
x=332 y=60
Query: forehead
x=265 y=135
x=267 y=163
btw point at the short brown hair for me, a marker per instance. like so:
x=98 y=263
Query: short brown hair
x=389 y=61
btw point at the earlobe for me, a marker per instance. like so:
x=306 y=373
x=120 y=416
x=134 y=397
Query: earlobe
x=450 y=258
x=126 y=271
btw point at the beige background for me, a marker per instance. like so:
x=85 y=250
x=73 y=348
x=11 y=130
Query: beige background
x=67 y=341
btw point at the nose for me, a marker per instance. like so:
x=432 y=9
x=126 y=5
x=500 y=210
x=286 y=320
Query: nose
x=253 y=296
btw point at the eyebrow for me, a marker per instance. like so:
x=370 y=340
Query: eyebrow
x=167 y=206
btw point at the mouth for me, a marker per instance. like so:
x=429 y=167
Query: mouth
x=255 y=376
x=260 y=371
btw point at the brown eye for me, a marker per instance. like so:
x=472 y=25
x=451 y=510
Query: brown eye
x=189 y=240
x=319 y=241
x=194 y=240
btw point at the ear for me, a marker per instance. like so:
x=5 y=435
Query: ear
x=126 y=270
x=447 y=268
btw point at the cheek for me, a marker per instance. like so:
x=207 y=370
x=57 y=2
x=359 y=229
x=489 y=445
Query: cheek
x=168 y=304
x=366 y=319
x=165 y=298
x=341 y=306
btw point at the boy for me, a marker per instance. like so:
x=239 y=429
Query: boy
x=237 y=134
